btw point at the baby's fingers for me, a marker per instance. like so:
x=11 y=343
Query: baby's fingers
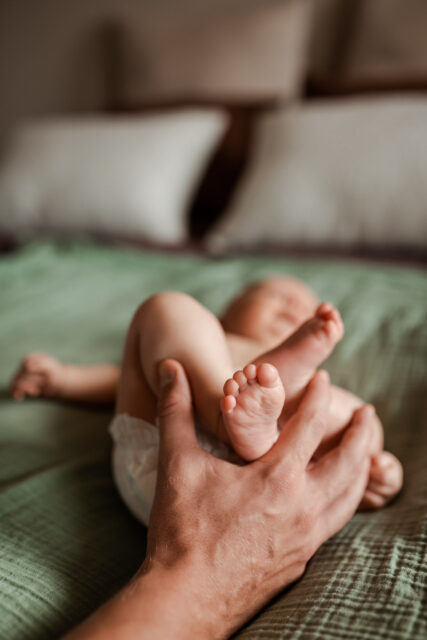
x=385 y=481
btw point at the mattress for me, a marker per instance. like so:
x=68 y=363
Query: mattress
x=66 y=540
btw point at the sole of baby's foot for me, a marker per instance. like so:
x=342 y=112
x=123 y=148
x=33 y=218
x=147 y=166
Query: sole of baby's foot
x=39 y=375
x=253 y=401
x=298 y=357
x=385 y=481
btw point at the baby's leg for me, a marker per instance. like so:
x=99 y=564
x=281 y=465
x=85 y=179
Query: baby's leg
x=41 y=375
x=168 y=325
x=173 y=325
x=298 y=357
x=296 y=360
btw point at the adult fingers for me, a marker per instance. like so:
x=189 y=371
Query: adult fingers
x=339 y=479
x=304 y=431
x=336 y=515
x=175 y=413
x=338 y=469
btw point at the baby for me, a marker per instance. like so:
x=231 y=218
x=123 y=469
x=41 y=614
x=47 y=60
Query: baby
x=269 y=341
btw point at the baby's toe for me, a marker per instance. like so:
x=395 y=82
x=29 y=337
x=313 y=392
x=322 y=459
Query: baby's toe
x=250 y=372
x=324 y=308
x=228 y=403
x=330 y=328
x=333 y=325
x=335 y=317
x=241 y=379
x=231 y=388
x=267 y=375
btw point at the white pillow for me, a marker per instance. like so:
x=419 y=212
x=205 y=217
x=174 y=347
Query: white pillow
x=343 y=173
x=123 y=176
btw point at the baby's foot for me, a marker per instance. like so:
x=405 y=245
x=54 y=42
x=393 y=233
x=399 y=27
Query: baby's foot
x=385 y=481
x=298 y=357
x=253 y=401
x=38 y=375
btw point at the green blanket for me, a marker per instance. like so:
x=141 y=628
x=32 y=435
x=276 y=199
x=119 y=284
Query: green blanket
x=66 y=540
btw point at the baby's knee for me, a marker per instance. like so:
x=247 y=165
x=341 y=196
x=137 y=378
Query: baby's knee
x=164 y=307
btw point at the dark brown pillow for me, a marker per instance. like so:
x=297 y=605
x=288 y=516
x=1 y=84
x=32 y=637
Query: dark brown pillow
x=224 y=172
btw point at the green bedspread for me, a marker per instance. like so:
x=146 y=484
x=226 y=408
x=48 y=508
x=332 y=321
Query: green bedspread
x=66 y=540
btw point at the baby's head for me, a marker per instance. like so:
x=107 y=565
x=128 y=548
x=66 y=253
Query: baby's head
x=270 y=310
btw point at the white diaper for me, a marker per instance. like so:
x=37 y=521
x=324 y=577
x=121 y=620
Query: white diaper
x=135 y=455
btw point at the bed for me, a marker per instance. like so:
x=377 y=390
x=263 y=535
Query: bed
x=66 y=540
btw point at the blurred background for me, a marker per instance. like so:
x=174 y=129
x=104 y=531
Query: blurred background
x=138 y=138
x=229 y=124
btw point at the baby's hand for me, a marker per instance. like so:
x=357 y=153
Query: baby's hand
x=39 y=374
x=385 y=481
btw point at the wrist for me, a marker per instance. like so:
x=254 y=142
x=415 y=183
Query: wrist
x=159 y=602
x=196 y=602
x=181 y=596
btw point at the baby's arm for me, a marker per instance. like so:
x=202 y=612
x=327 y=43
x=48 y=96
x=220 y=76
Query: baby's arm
x=42 y=375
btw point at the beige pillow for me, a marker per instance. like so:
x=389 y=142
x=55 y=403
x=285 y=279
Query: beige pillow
x=52 y=58
x=129 y=177
x=216 y=50
x=388 y=44
x=342 y=174
x=369 y=44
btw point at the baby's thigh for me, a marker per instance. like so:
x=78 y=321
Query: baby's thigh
x=134 y=396
x=172 y=325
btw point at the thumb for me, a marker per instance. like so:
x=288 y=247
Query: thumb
x=175 y=411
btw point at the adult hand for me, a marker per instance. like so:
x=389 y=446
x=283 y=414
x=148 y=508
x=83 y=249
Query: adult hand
x=224 y=539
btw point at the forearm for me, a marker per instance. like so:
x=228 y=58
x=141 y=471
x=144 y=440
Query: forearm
x=158 y=603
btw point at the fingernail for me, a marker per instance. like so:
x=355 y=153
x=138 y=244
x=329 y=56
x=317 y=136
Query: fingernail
x=167 y=373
